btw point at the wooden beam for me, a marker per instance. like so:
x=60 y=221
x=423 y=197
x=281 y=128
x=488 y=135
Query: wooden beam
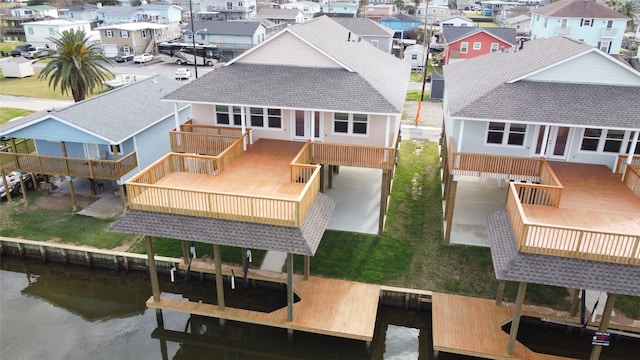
x=330 y=181
x=604 y=324
x=72 y=190
x=322 y=171
x=451 y=201
x=6 y=186
x=384 y=196
x=185 y=251
x=153 y=273
x=575 y=302
x=500 y=294
x=24 y=189
x=219 y=285
x=123 y=199
x=290 y=286
x=515 y=323
x=307 y=267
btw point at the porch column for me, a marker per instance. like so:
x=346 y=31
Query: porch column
x=24 y=189
x=545 y=139
x=450 y=202
x=500 y=294
x=219 y=285
x=176 y=118
x=515 y=323
x=69 y=179
x=244 y=127
x=307 y=266
x=387 y=132
x=153 y=272
x=185 y=252
x=460 y=134
x=312 y=125
x=384 y=197
x=290 y=286
x=632 y=149
x=604 y=321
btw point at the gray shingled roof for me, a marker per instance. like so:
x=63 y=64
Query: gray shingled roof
x=364 y=26
x=118 y=10
x=475 y=82
x=510 y=264
x=268 y=13
x=578 y=9
x=378 y=83
x=302 y=241
x=120 y=113
x=455 y=33
x=401 y=17
x=217 y=27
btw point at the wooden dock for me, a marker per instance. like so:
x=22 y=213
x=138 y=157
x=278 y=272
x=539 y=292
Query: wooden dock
x=332 y=307
x=473 y=327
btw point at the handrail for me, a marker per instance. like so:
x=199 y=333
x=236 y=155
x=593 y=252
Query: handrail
x=376 y=157
x=621 y=163
x=632 y=180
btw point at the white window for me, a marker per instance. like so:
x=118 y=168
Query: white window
x=599 y=140
x=591 y=139
x=613 y=141
x=464 y=47
x=348 y=123
x=271 y=118
x=126 y=50
x=124 y=34
x=374 y=43
x=630 y=142
x=414 y=56
x=224 y=113
x=30 y=30
x=563 y=23
x=144 y=34
x=604 y=45
x=585 y=22
x=609 y=24
x=477 y=45
x=506 y=133
x=108 y=33
x=494 y=47
x=229 y=5
x=52 y=31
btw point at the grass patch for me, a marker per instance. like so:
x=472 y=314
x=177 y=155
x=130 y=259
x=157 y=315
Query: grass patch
x=33 y=87
x=629 y=305
x=7 y=114
x=8 y=46
x=487 y=24
x=415 y=95
x=64 y=226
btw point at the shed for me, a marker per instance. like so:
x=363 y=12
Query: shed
x=414 y=55
x=16 y=67
x=437 y=86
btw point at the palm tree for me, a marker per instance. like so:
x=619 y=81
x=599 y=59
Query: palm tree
x=75 y=65
x=629 y=8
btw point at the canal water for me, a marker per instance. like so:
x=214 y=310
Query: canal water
x=52 y=311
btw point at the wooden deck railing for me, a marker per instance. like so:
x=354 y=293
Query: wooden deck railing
x=569 y=241
x=66 y=166
x=301 y=170
x=376 y=157
x=23 y=146
x=621 y=164
x=204 y=139
x=632 y=180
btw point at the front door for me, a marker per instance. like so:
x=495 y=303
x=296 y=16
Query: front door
x=302 y=125
x=557 y=142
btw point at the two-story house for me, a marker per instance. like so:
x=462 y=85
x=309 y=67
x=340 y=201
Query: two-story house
x=344 y=8
x=554 y=119
x=110 y=137
x=375 y=12
x=309 y=8
x=155 y=13
x=229 y=10
x=134 y=38
x=231 y=37
x=38 y=32
x=12 y=25
x=462 y=42
x=587 y=21
x=372 y=32
x=400 y=23
x=456 y=20
x=281 y=16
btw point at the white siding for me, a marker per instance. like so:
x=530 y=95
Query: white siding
x=287 y=49
x=598 y=70
x=474 y=138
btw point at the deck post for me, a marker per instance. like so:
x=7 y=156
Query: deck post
x=500 y=294
x=69 y=179
x=6 y=185
x=123 y=199
x=219 y=285
x=185 y=252
x=384 y=196
x=604 y=324
x=515 y=323
x=153 y=273
x=322 y=171
x=330 y=181
x=451 y=200
x=290 y=286
x=24 y=189
x=575 y=303
x=307 y=266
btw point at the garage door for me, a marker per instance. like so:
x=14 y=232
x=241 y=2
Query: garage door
x=110 y=50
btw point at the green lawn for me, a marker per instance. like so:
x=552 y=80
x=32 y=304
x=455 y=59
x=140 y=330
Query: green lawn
x=33 y=87
x=7 y=114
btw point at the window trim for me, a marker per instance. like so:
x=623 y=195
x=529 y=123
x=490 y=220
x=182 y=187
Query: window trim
x=495 y=47
x=124 y=34
x=479 y=47
x=625 y=142
x=266 y=118
x=464 y=45
x=350 y=124
x=506 y=132
x=108 y=33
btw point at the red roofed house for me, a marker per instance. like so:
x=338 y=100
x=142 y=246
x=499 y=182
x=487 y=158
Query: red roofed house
x=463 y=42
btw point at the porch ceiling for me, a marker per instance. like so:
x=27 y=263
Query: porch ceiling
x=292 y=87
x=510 y=264
x=302 y=241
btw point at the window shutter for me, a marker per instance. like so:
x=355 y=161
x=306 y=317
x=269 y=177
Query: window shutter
x=581 y=22
x=592 y=21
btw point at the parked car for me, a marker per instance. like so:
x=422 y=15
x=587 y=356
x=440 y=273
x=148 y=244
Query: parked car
x=142 y=58
x=23 y=50
x=123 y=57
x=13 y=181
x=183 y=73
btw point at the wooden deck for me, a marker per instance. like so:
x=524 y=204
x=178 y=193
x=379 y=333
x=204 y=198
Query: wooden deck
x=472 y=327
x=338 y=308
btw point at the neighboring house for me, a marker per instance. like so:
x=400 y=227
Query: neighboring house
x=35 y=11
x=281 y=16
x=16 y=67
x=305 y=87
x=160 y=14
x=522 y=24
x=134 y=38
x=435 y=13
x=375 y=12
x=39 y=32
x=309 y=8
x=83 y=12
x=587 y=21
x=573 y=207
x=341 y=8
x=375 y=34
x=465 y=4
x=414 y=55
x=456 y=20
x=107 y=137
x=463 y=43
x=401 y=23
x=11 y=25
x=229 y=10
x=232 y=37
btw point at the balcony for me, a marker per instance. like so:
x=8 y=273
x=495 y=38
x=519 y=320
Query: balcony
x=608 y=32
x=22 y=159
x=563 y=30
x=572 y=210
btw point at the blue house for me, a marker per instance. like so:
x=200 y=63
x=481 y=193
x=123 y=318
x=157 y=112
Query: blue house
x=108 y=137
x=401 y=23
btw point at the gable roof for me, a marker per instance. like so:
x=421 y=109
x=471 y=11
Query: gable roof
x=516 y=19
x=217 y=27
x=466 y=19
x=366 y=80
x=477 y=87
x=118 y=10
x=578 y=9
x=83 y=7
x=401 y=17
x=269 y=13
x=364 y=26
x=115 y=115
x=456 y=33
x=38 y=7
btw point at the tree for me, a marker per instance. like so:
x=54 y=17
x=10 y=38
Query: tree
x=627 y=8
x=75 y=65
